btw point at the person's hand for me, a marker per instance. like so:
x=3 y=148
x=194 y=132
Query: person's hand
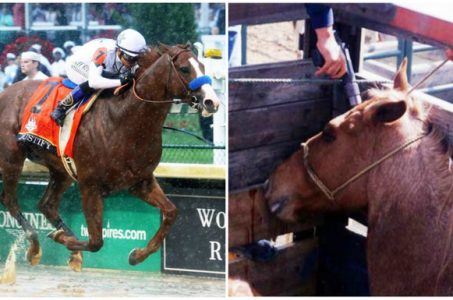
x=335 y=62
x=126 y=77
x=449 y=53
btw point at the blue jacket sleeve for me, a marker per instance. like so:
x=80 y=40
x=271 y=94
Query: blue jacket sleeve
x=321 y=15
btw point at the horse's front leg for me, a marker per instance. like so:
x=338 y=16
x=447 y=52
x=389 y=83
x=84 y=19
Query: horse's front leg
x=92 y=206
x=151 y=193
x=49 y=204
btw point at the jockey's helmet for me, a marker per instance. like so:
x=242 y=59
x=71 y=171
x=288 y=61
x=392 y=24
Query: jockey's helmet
x=131 y=43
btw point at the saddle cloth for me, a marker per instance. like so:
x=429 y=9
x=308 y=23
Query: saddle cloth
x=39 y=129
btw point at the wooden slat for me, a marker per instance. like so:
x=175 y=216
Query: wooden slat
x=281 y=123
x=291 y=273
x=253 y=166
x=261 y=94
x=249 y=219
x=259 y=13
x=285 y=69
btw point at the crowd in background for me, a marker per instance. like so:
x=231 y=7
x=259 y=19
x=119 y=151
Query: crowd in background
x=17 y=66
x=31 y=64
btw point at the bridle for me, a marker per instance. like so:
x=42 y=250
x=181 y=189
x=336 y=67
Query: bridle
x=330 y=194
x=181 y=81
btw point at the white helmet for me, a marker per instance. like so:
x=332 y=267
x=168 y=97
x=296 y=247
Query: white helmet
x=131 y=42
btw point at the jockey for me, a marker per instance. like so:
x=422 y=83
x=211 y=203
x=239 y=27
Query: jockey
x=89 y=66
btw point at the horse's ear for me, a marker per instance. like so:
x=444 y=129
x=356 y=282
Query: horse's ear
x=400 y=82
x=163 y=47
x=188 y=45
x=385 y=111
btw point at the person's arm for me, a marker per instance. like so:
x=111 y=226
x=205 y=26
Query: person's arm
x=322 y=20
x=95 y=68
x=449 y=53
x=96 y=81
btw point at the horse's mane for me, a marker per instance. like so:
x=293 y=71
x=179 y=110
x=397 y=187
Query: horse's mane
x=154 y=52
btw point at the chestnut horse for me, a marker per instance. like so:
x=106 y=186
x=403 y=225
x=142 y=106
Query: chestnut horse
x=118 y=146
x=385 y=154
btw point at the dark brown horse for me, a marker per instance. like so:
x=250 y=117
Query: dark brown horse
x=118 y=146
x=385 y=154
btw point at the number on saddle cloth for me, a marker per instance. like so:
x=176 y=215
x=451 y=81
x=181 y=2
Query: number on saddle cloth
x=199 y=82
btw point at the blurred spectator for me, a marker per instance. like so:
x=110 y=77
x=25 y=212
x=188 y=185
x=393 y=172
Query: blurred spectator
x=29 y=65
x=58 y=67
x=2 y=80
x=10 y=69
x=95 y=14
x=68 y=45
x=19 y=14
x=449 y=54
x=38 y=14
x=51 y=14
x=44 y=62
x=219 y=22
x=6 y=18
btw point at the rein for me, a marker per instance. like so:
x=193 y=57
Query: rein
x=181 y=80
x=330 y=194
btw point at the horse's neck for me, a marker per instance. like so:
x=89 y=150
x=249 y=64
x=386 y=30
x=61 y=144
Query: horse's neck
x=142 y=114
x=411 y=218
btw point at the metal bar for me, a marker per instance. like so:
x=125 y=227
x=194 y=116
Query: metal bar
x=208 y=147
x=243 y=44
x=104 y=27
x=437 y=89
x=381 y=54
x=27 y=12
x=53 y=28
x=391 y=53
x=83 y=14
x=10 y=28
x=408 y=45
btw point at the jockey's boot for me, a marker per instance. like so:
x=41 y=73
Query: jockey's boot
x=71 y=100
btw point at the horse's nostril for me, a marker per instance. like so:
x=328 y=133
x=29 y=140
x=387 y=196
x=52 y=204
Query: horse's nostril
x=278 y=206
x=266 y=186
x=209 y=104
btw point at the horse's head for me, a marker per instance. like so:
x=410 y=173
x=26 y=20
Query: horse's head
x=191 y=84
x=337 y=158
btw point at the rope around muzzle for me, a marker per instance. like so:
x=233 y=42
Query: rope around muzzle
x=330 y=194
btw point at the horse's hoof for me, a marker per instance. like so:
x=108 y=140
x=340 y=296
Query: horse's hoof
x=75 y=261
x=54 y=235
x=133 y=257
x=32 y=258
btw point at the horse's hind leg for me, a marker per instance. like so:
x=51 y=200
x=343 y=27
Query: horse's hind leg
x=49 y=204
x=151 y=193
x=11 y=175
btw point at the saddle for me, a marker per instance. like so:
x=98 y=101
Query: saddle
x=40 y=130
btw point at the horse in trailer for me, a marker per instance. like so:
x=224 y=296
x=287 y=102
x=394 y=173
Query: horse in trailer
x=118 y=146
x=389 y=156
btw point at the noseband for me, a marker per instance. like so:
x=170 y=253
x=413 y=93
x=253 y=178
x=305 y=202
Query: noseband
x=192 y=85
x=330 y=194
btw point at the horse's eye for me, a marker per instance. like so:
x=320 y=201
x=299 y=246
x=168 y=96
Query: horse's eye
x=328 y=134
x=185 y=70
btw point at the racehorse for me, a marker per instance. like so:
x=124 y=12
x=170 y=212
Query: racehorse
x=118 y=146
x=386 y=154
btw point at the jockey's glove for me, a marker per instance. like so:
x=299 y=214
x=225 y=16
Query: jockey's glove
x=126 y=77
